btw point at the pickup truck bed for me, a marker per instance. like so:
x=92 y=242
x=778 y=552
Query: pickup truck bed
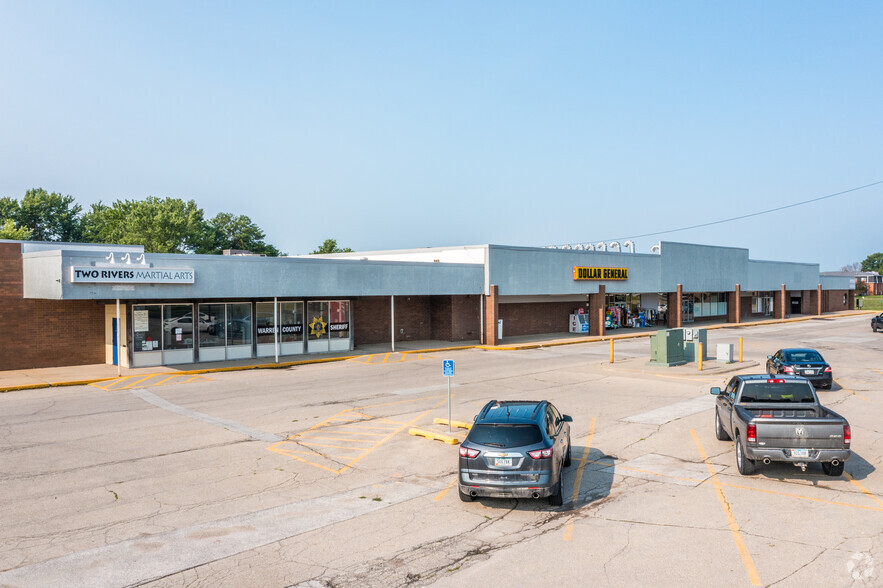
x=768 y=426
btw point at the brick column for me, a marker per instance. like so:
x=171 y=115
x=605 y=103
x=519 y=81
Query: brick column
x=596 y=312
x=675 y=317
x=850 y=300
x=780 y=310
x=819 y=306
x=734 y=305
x=492 y=310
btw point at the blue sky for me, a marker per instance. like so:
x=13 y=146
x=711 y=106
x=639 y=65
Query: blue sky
x=391 y=125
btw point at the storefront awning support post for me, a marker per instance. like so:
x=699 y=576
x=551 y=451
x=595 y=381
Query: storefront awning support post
x=276 y=327
x=392 y=320
x=119 y=343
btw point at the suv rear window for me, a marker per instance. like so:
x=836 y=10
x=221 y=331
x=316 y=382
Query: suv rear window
x=784 y=392
x=505 y=435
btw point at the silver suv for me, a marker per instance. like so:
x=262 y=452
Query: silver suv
x=515 y=449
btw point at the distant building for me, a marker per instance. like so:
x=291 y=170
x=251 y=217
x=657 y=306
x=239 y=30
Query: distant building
x=873 y=280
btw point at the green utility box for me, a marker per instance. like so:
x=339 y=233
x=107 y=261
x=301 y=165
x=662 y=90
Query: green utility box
x=667 y=347
x=692 y=338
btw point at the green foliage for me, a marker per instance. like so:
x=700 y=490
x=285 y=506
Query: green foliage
x=50 y=217
x=8 y=230
x=873 y=263
x=229 y=231
x=8 y=208
x=162 y=225
x=330 y=246
x=872 y=302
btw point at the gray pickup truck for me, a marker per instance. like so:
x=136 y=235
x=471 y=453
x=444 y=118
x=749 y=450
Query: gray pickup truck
x=780 y=419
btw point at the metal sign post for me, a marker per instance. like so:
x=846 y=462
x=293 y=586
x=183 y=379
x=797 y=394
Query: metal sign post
x=448 y=372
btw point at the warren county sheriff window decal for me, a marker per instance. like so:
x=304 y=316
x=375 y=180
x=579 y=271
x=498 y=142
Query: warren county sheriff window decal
x=600 y=273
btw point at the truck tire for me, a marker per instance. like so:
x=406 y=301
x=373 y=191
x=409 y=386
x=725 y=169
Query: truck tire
x=745 y=466
x=718 y=429
x=465 y=497
x=567 y=458
x=831 y=469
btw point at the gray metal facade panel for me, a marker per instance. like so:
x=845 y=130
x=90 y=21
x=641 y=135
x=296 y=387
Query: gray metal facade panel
x=220 y=277
x=767 y=276
x=702 y=268
x=541 y=271
x=41 y=276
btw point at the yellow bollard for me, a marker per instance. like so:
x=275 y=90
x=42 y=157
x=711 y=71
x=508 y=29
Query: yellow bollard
x=740 y=349
x=699 y=355
x=611 y=351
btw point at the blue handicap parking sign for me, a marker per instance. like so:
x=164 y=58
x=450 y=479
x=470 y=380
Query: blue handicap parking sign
x=448 y=367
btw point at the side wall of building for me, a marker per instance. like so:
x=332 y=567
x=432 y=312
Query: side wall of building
x=44 y=333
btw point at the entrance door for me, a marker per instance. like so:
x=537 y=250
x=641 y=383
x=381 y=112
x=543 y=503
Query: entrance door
x=795 y=305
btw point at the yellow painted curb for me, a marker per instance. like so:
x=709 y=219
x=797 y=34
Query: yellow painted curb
x=434 y=436
x=458 y=424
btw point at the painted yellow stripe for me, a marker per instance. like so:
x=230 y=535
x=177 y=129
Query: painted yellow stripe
x=339 y=447
x=135 y=383
x=309 y=440
x=864 y=490
x=390 y=436
x=577 y=481
x=161 y=382
x=734 y=526
x=441 y=494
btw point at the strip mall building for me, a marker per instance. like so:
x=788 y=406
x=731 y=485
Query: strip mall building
x=74 y=304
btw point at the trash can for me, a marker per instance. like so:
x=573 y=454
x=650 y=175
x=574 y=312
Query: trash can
x=499 y=328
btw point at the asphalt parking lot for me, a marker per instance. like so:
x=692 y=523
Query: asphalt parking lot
x=307 y=476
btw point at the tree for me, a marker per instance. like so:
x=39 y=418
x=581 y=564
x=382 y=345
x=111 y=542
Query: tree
x=8 y=230
x=873 y=263
x=50 y=217
x=855 y=266
x=8 y=209
x=330 y=246
x=229 y=231
x=167 y=225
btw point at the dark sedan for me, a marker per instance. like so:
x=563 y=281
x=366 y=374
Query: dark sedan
x=877 y=323
x=807 y=363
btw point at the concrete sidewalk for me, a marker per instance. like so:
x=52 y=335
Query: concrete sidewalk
x=87 y=374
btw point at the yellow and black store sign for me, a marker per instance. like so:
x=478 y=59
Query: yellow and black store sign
x=600 y=273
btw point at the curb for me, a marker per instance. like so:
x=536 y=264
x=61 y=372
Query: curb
x=434 y=436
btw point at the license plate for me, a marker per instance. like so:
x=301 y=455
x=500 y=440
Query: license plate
x=800 y=453
x=502 y=461
x=809 y=372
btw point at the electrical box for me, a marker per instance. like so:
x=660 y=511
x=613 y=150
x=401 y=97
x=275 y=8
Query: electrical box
x=667 y=347
x=691 y=345
x=725 y=352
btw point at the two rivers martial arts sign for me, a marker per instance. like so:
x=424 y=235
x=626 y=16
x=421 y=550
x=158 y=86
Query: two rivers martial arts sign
x=107 y=275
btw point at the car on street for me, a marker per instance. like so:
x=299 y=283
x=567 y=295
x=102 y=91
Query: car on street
x=877 y=322
x=780 y=419
x=515 y=449
x=808 y=363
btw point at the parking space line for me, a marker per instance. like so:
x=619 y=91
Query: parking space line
x=864 y=490
x=135 y=383
x=441 y=494
x=338 y=424
x=161 y=382
x=747 y=560
x=577 y=481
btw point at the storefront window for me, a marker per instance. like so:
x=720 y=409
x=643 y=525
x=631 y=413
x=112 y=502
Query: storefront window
x=291 y=317
x=214 y=333
x=239 y=324
x=178 y=326
x=266 y=322
x=317 y=315
x=147 y=327
x=291 y=320
x=339 y=326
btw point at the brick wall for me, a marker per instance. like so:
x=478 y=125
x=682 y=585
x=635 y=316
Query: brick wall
x=44 y=333
x=413 y=320
x=537 y=317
